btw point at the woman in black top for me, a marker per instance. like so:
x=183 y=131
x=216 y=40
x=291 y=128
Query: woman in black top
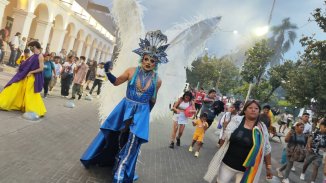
x=230 y=161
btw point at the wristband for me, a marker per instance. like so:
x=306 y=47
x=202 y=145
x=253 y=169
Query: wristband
x=111 y=77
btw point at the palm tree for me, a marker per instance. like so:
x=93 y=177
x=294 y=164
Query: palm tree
x=283 y=36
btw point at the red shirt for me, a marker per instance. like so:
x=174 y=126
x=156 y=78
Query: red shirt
x=199 y=97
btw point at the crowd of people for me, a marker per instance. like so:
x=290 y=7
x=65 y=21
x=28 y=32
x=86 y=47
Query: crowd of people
x=68 y=71
x=244 y=127
x=247 y=128
x=73 y=72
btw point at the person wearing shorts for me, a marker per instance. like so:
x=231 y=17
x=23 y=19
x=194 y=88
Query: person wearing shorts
x=198 y=137
x=283 y=122
x=179 y=118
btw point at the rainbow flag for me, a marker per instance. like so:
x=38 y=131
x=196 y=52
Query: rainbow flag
x=254 y=157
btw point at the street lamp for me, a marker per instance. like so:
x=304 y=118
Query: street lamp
x=260 y=31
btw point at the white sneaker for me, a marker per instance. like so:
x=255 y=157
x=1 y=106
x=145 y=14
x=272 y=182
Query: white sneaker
x=279 y=173
x=190 y=149
x=293 y=169
x=196 y=154
x=285 y=181
x=302 y=176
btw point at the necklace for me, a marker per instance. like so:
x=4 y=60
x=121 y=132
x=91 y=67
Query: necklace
x=143 y=81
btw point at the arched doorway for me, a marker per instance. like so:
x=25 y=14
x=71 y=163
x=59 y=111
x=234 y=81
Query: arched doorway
x=93 y=50
x=69 y=39
x=57 y=34
x=40 y=28
x=8 y=19
x=87 y=46
x=98 y=52
x=79 y=43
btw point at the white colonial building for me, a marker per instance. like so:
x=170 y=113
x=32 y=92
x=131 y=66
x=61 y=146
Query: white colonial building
x=61 y=24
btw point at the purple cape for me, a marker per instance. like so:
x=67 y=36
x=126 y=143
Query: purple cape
x=29 y=65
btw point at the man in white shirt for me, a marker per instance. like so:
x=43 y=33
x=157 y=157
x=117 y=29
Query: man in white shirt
x=307 y=126
x=100 y=77
x=21 y=48
x=14 y=45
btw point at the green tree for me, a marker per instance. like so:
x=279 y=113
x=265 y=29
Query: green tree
x=210 y=72
x=202 y=72
x=278 y=75
x=320 y=17
x=227 y=75
x=307 y=83
x=254 y=68
x=283 y=36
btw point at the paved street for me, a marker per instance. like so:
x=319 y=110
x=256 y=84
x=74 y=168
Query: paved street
x=48 y=151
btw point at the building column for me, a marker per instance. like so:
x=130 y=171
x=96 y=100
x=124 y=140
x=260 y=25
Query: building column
x=71 y=43
x=104 y=57
x=97 y=56
x=80 y=47
x=22 y=22
x=93 y=52
x=87 y=52
x=3 y=4
x=58 y=37
x=108 y=57
x=42 y=32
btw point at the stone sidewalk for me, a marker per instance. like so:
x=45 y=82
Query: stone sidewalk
x=48 y=151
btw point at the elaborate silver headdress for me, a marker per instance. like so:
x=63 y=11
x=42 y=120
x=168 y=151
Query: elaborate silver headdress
x=153 y=46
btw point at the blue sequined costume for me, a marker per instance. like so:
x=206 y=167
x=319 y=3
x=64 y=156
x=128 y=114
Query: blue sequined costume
x=121 y=135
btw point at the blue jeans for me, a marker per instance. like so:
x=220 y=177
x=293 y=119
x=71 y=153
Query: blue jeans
x=12 y=58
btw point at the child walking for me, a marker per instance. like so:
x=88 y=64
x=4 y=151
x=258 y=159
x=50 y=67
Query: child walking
x=201 y=126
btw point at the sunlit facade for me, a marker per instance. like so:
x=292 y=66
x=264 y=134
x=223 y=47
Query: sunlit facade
x=58 y=24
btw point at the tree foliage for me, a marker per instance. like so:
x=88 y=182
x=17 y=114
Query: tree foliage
x=320 y=17
x=307 y=83
x=257 y=59
x=211 y=72
x=278 y=75
x=283 y=36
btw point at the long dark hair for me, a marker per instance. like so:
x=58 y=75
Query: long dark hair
x=236 y=105
x=187 y=93
x=94 y=64
x=247 y=104
x=36 y=44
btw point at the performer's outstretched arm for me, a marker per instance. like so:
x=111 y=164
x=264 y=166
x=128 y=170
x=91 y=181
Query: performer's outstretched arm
x=121 y=79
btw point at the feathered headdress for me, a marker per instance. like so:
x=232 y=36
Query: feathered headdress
x=153 y=46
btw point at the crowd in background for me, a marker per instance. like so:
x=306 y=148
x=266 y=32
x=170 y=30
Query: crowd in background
x=69 y=70
x=304 y=135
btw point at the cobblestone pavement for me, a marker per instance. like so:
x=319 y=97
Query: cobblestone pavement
x=48 y=151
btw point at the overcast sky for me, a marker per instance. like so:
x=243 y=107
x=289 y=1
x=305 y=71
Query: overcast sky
x=241 y=15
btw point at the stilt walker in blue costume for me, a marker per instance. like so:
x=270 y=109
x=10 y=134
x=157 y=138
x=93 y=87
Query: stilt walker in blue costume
x=127 y=127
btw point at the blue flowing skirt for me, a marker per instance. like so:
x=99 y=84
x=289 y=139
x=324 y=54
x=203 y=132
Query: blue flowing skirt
x=127 y=116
